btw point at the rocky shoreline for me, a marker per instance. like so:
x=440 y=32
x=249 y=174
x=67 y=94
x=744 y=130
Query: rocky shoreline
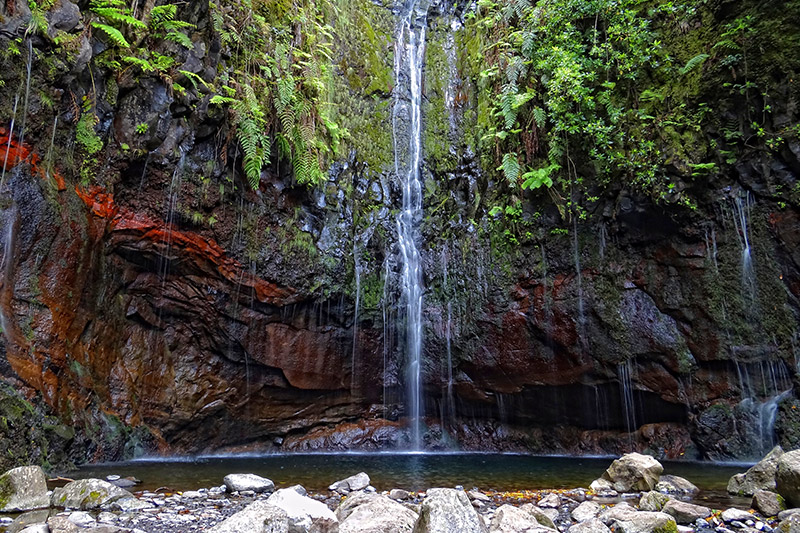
x=632 y=496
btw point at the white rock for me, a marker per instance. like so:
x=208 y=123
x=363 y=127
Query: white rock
x=82 y=519
x=305 y=514
x=359 y=481
x=585 y=511
x=510 y=519
x=634 y=471
x=36 y=528
x=646 y=522
x=729 y=515
x=243 y=482
x=552 y=501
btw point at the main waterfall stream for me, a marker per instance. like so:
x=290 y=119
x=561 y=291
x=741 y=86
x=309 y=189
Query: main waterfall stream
x=407 y=126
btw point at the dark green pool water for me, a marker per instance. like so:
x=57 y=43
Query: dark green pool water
x=502 y=472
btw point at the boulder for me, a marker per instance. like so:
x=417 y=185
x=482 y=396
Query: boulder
x=61 y=524
x=552 y=501
x=621 y=511
x=760 y=476
x=789 y=525
x=510 y=519
x=768 y=503
x=653 y=501
x=23 y=489
x=732 y=514
x=398 y=494
x=371 y=513
x=647 y=522
x=479 y=496
x=242 y=482
x=359 y=481
x=676 y=485
x=88 y=494
x=545 y=517
x=684 y=512
x=601 y=485
x=634 y=471
x=787 y=477
x=36 y=528
x=585 y=511
x=590 y=526
x=258 y=517
x=448 y=511
x=305 y=515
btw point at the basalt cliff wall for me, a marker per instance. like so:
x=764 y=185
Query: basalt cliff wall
x=161 y=305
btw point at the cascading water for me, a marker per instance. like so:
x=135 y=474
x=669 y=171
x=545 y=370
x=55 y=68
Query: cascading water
x=407 y=133
x=357 y=270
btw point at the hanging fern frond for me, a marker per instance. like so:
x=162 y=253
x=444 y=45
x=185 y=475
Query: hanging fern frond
x=697 y=60
x=510 y=168
x=539 y=116
x=113 y=34
x=179 y=38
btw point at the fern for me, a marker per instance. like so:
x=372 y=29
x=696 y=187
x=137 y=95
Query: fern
x=540 y=117
x=180 y=38
x=541 y=176
x=510 y=168
x=120 y=17
x=143 y=64
x=112 y=33
x=697 y=60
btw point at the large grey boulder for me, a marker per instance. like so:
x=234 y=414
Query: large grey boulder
x=23 y=489
x=448 y=511
x=647 y=522
x=510 y=519
x=789 y=525
x=305 y=515
x=88 y=494
x=242 y=482
x=634 y=471
x=676 y=485
x=364 y=512
x=589 y=526
x=733 y=514
x=787 y=477
x=760 y=476
x=768 y=503
x=258 y=517
x=684 y=512
x=359 y=481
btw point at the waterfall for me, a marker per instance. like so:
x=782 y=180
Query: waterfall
x=626 y=394
x=407 y=126
x=9 y=219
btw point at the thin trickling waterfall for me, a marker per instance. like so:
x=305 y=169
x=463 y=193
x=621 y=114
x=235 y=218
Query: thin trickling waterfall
x=407 y=131
x=741 y=218
x=354 y=361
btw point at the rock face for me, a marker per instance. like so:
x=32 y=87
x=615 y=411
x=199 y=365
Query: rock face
x=240 y=482
x=787 y=477
x=633 y=471
x=258 y=517
x=304 y=514
x=167 y=295
x=448 y=511
x=88 y=494
x=22 y=489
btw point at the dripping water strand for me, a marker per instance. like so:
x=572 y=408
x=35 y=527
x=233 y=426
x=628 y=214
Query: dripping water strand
x=8 y=144
x=354 y=363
